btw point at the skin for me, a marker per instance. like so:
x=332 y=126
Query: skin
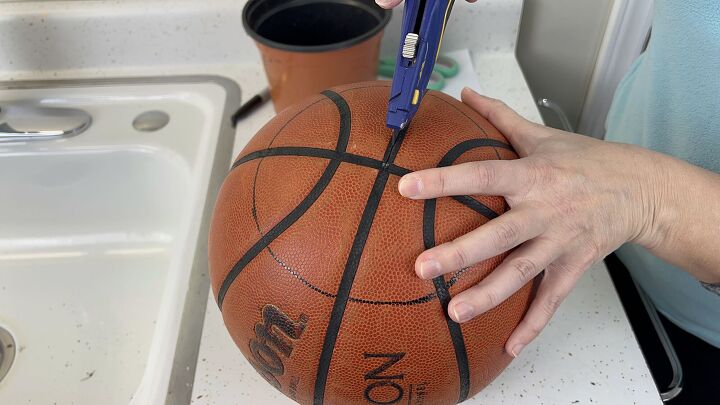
x=573 y=200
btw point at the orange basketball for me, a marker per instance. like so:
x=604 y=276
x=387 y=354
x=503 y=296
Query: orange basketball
x=312 y=253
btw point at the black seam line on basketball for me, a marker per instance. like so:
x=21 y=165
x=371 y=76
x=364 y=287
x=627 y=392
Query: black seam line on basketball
x=443 y=295
x=293 y=119
x=345 y=119
x=278 y=229
x=305 y=204
x=322 y=154
x=455 y=153
x=452 y=155
x=357 y=159
x=363 y=161
x=253 y=210
x=476 y=206
x=351 y=267
x=416 y=301
x=468 y=117
x=463 y=147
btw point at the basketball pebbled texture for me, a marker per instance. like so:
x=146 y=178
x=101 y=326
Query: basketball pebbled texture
x=312 y=253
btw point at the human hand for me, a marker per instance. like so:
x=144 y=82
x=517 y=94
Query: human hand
x=573 y=200
x=395 y=3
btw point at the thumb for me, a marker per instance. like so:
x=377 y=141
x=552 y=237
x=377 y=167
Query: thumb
x=388 y=3
x=522 y=134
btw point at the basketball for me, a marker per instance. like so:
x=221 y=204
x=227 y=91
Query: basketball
x=312 y=252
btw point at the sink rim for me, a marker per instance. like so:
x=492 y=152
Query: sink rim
x=189 y=330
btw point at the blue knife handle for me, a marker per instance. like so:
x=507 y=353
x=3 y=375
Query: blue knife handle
x=427 y=19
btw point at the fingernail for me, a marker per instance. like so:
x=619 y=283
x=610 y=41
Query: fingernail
x=470 y=90
x=463 y=312
x=515 y=351
x=429 y=269
x=410 y=186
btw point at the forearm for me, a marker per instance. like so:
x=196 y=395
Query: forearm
x=684 y=222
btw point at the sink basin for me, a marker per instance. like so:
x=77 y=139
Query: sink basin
x=101 y=234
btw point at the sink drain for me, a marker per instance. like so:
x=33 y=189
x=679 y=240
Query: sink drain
x=7 y=352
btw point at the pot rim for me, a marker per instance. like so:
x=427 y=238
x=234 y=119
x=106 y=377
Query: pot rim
x=250 y=6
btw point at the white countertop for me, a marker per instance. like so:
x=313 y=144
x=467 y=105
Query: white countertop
x=588 y=353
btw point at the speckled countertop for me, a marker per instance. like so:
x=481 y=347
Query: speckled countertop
x=587 y=355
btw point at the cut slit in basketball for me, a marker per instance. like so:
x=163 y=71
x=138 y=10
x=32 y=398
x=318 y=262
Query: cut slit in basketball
x=312 y=253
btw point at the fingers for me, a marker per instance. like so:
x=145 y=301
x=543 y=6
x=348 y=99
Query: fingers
x=516 y=226
x=489 y=177
x=388 y=3
x=522 y=134
x=517 y=270
x=554 y=288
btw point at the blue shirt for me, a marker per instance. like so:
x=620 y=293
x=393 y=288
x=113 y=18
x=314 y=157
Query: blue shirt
x=670 y=102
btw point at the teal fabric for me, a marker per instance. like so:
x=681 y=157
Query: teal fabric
x=670 y=102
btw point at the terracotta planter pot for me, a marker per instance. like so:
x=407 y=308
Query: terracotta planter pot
x=310 y=45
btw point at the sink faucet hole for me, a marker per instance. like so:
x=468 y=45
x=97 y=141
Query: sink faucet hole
x=151 y=121
x=7 y=352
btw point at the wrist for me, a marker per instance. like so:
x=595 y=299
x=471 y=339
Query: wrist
x=658 y=192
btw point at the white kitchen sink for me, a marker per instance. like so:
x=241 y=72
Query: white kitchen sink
x=101 y=235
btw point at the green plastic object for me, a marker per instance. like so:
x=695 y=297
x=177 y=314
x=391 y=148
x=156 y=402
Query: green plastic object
x=387 y=67
x=437 y=81
x=445 y=67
